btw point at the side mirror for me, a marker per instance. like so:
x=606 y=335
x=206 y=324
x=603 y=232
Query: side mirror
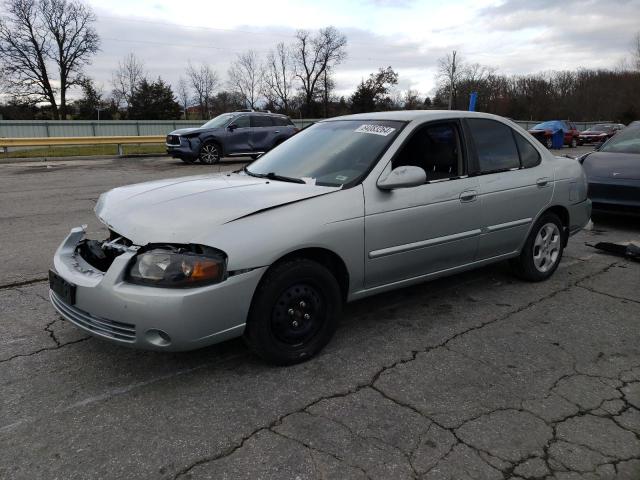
x=232 y=126
x=403 y=177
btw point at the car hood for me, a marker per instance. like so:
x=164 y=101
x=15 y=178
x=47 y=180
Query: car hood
x=187 y=131
x=184 y=210
x=612 y=165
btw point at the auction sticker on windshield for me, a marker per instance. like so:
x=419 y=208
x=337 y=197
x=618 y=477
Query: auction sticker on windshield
x=375 y=129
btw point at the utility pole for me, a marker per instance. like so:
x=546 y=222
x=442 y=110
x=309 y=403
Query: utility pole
x=452 y=78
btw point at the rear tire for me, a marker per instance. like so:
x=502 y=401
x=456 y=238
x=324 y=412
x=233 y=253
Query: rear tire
x=542 y=251
x=294 y=313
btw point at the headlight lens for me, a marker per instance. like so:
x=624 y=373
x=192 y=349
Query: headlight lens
x=177 y=268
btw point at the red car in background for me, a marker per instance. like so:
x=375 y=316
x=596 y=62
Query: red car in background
x=599 y=133
x=544 y=132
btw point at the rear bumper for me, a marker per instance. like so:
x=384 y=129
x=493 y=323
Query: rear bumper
x=579 y=215
x=131 y=315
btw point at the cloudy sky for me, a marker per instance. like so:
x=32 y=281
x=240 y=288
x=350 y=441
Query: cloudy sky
x=514 y=36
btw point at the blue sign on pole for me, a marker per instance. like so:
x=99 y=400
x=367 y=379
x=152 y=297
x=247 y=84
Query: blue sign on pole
x=473 y=98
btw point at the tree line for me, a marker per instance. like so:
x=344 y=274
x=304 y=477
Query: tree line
x=46 y=46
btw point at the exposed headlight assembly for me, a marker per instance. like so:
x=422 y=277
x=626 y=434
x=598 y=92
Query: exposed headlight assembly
x=178 y=267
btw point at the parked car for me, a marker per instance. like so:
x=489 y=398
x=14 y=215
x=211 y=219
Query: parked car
x=613 y=172
x=599 y=133
x=348 y=208
x=245 y=133
x=544 y=132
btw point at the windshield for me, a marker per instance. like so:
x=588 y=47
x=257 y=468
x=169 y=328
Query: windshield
x=625 y=141
x=219 y=121
x=552 y=125
x=599 y=128
x=330 y=153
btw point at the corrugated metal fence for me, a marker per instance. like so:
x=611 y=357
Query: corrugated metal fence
x=89 y=128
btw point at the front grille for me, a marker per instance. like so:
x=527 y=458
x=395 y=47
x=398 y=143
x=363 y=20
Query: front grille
x=124 y=332
x=173 y=139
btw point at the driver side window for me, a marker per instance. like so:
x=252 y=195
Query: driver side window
x=435 y=148
x=241 y=122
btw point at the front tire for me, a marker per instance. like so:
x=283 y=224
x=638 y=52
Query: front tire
x=209 y=153
x=294 y=313
x=542 y=251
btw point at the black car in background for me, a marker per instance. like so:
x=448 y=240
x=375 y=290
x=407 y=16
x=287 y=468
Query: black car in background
x=613 y=173
x=599 y=133
x=243 y=133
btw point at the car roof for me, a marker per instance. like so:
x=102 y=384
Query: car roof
x=416 y=115
x=267 y=114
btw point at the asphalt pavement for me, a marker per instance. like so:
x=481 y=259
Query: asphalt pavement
x=478 y=375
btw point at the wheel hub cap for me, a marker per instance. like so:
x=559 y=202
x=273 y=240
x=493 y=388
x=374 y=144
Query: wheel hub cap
x=546 y=247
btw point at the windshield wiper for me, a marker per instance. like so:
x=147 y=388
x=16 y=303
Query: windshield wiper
x=273 y=176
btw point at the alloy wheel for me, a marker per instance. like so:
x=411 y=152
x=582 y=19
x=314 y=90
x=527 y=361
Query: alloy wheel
x=209 y=154
x=546 y=247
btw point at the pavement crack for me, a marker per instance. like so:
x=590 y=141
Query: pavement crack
x=48 y=328
x=45 y=349
x=610 y=295
x=325 y=452
x=23 y=283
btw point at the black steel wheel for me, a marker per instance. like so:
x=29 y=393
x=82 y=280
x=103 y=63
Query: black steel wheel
x=294 y=312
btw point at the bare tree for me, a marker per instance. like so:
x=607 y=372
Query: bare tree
x=126 y=78
x=41 y=37
x=279 y=75
x=204 y=82
x=411 y=100
x=313 y=55
x=246 y=76
x=450 y=70
x=184 y=94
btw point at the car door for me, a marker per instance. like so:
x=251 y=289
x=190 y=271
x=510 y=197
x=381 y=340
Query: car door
x=238 y=136
x=514 y=185
x=262 y=133
x=410 y=232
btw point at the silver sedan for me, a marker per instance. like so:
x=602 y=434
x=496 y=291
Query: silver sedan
x=348 y=208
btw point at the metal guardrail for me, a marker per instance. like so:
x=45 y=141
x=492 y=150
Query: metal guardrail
x=6 y=143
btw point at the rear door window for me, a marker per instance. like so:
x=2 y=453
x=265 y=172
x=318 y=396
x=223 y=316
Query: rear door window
x=495 y=146
x=261 y=121
x=281 y=121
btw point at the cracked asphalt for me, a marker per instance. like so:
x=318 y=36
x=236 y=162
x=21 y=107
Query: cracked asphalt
x=477 y=376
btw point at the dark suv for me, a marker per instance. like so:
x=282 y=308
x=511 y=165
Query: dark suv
x=230 y=134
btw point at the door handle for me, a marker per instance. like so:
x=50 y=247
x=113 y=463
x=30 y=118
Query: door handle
x=277 y=131
x=468 y=196
x=543 y=182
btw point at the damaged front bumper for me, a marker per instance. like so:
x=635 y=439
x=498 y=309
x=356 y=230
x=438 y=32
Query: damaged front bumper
x=107 y=306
